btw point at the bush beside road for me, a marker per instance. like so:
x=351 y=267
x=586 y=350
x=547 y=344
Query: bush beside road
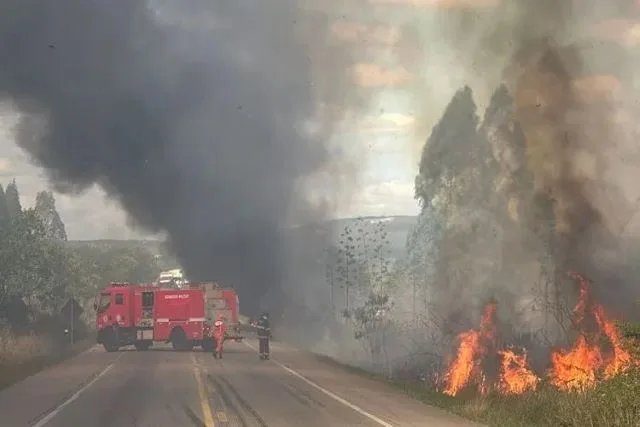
x=23 y=356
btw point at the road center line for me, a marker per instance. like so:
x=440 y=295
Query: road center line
x=204 y=398
x=327 y=392
x=57 y=410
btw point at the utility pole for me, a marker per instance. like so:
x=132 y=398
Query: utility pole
x=331 y=283
x=72 y=311
x=413 y=302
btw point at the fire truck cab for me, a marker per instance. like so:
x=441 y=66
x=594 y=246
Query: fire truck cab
x=140 y=315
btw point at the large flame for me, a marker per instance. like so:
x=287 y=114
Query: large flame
x=472 y=347
x=515 y=375
x=575 y=369
x=580 y=367
x=621 y=359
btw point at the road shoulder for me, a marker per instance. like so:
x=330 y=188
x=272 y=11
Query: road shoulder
x=13 y=373
x=371 y=395
x=25 y=402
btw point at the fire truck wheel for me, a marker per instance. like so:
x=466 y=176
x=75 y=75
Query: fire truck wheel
x=110 y=340
x=142 y=345
x=179 y=340
x=110 y=347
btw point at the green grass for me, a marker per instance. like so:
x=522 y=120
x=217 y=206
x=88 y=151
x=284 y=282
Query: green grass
x=613 y=403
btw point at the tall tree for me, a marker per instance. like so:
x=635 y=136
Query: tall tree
x=448 y=153
x=4 y=211
x=45 y=209
x=21 y=257
x=12 y=197
x=448 y=174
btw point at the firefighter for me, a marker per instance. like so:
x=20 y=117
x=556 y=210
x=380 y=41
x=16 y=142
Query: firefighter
x=219 y=332
x=264 y=334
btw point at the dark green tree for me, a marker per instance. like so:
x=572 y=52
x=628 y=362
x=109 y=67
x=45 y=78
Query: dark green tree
x=45 y=208
x=4 y=211
x=449 y=151
x=12 y=197
x=24 y=269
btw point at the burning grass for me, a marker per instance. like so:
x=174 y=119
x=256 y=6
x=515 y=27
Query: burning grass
x=578 y=368
x=594 y=382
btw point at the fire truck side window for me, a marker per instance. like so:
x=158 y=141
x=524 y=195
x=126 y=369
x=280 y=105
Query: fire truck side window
x=119 y=299
x=147 y=299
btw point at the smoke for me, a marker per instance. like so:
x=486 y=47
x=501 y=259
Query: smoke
x=575 y=96
x=212 y=120
x=575 y=91
x=205 y=119
x=570 y=67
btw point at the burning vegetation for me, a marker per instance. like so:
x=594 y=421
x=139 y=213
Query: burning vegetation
x=597 y=354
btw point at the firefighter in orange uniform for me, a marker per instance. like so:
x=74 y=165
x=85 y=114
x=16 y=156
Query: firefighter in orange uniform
x=219 y=332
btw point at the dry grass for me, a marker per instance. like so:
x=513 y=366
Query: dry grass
x=16 y=349
x=25 y=355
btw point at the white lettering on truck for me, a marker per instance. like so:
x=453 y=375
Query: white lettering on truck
x=176 y=296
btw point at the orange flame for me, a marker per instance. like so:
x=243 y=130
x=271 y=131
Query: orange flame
x=621 y=359
x=580 y=309
x=515 y=375
x=471 y=348
x=578 y=368
x=575 y=369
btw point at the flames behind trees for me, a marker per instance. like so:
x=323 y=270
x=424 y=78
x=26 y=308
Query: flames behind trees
x=597 y=354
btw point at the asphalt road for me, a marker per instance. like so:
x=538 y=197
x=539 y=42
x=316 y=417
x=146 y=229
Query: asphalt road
x=163 y=388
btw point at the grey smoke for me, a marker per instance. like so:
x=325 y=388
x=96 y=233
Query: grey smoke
x=193 y=114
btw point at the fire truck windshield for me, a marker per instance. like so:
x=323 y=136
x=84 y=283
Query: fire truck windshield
x=103 y=302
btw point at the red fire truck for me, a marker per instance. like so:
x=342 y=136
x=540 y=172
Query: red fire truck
x=140 y=315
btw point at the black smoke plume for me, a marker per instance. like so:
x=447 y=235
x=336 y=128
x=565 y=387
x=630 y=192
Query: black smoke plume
x=193 y=114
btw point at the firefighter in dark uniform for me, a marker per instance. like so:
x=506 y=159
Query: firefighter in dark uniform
x=264 y=334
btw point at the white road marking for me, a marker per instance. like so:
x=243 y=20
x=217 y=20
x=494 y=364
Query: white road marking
x=328 y=393
x=77 y=394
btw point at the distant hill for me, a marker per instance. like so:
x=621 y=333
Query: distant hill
x=155 y=247
x=397 y=228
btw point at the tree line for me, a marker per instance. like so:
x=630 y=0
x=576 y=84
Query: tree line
x=40 y=270
x=486 y=230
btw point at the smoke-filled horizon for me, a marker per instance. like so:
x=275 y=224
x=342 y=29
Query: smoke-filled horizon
x=570 y=69
x=201 y=118
x=206 y=119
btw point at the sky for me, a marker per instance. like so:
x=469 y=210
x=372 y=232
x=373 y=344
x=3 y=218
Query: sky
x=402 y=59
x=385 y=184
x=383 y=137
